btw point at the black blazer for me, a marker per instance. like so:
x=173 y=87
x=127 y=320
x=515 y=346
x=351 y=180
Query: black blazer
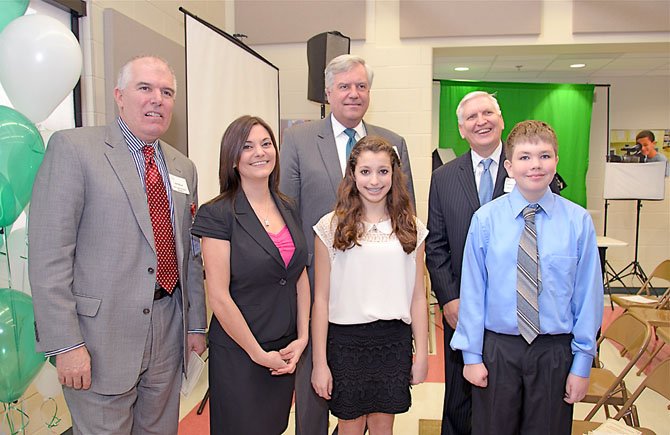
x=261 y=285
x=452 y=201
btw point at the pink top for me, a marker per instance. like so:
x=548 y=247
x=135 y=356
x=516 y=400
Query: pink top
x=284 y=242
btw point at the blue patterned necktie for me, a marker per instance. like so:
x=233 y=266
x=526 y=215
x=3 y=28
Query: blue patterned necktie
x=485 y=183
x=351 y=133
x=529 y=280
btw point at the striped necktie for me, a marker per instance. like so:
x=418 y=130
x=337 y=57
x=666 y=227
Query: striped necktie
x=529 y=279
x=351 y=134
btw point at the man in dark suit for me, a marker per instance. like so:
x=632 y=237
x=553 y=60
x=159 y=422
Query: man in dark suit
x=116 y=281
x=457 y=190
x=313 y=157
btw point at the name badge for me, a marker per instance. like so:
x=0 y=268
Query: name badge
x=509 y=185
x=179 y=184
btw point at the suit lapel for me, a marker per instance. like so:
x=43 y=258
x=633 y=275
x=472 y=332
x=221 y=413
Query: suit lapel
x=325 y=142
x=370 y=130
x=467 y=179
x=123 y=165
x=178 y=199
x=247 y=218
x=499 y=188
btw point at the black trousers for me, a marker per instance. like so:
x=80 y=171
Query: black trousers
x=457 y=408
x=526 y=386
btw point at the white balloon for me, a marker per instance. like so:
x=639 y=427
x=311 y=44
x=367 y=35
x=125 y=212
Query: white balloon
x=47 y=383
x=41 y=63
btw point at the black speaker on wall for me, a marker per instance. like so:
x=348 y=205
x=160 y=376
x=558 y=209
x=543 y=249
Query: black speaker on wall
x=321 y=49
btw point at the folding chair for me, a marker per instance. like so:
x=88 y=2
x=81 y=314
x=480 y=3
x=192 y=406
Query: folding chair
x=658 y=380
x=662 y=271
x=605 y=387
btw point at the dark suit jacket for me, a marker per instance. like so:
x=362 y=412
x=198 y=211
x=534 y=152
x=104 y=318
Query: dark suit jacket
x=261 y=285
x=452 y=201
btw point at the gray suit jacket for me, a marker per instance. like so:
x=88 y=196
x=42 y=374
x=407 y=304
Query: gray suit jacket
x=92 y=259
x=311 y=172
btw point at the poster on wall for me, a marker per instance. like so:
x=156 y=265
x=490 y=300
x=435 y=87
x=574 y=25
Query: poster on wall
x=624 y=148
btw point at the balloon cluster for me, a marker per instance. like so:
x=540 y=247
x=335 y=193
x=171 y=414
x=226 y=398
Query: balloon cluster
x=19 y=363
x=40 y=63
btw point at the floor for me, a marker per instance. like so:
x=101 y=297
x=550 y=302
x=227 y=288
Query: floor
x=427 y=400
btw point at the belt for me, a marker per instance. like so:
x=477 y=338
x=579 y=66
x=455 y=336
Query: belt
x=160 y=292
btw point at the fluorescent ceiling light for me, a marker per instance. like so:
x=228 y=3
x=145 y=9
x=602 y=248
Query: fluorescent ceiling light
x=461 y=68
x=578 y=65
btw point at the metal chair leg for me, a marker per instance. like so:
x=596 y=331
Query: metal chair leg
x=203 y=402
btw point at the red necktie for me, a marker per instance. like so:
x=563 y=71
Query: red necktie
x=159 y=210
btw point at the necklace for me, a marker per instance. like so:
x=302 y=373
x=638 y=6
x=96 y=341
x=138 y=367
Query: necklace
x=382 y=218
x=266 y=221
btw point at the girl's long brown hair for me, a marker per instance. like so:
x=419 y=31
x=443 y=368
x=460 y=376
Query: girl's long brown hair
x=349 y=207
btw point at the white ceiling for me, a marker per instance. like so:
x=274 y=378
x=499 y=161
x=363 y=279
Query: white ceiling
x=551 y=63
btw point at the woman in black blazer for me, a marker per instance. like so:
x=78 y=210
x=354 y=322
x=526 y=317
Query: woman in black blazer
x=255 y=257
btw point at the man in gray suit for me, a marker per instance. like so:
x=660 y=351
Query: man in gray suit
x=116 y=280
x=313 y=159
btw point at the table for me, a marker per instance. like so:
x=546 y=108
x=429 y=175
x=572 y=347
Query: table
x=607 y=270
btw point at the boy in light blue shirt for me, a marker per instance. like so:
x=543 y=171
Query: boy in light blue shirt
x=531 y=297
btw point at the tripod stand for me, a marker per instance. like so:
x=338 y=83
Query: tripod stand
x=634 y=266
x=609 y=274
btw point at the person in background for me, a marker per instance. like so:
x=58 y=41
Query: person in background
x=313 y=161
x=531 y=298
x=370 y=299
x=647 y=142
x=116 y=280
x=255 y=259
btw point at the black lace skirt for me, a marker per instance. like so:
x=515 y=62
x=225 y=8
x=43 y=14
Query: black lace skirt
x=371 y=365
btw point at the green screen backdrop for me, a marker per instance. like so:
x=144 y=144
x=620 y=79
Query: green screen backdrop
x=566 y=107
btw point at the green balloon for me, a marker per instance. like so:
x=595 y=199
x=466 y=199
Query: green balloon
x=21 y=153
x=12 y=9
x=19 y=363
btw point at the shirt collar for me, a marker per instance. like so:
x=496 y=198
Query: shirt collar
x=495 y=156
x=134 y=143
x=383 y=227
x=518 y=202
x=338 y=128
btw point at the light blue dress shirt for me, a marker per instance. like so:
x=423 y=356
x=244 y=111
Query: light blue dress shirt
x=571 y=298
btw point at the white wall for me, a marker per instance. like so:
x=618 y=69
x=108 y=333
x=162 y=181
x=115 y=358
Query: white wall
x=161 y=16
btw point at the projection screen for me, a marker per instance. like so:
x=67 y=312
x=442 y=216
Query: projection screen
x=225 y=79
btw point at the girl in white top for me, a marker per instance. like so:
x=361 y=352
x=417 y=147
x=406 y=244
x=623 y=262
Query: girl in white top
x=369 y=298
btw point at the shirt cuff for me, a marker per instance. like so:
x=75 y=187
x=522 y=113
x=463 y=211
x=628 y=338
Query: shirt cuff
x=471 y=358
x=581 y=364
x=197 y=331
x=63 y=350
